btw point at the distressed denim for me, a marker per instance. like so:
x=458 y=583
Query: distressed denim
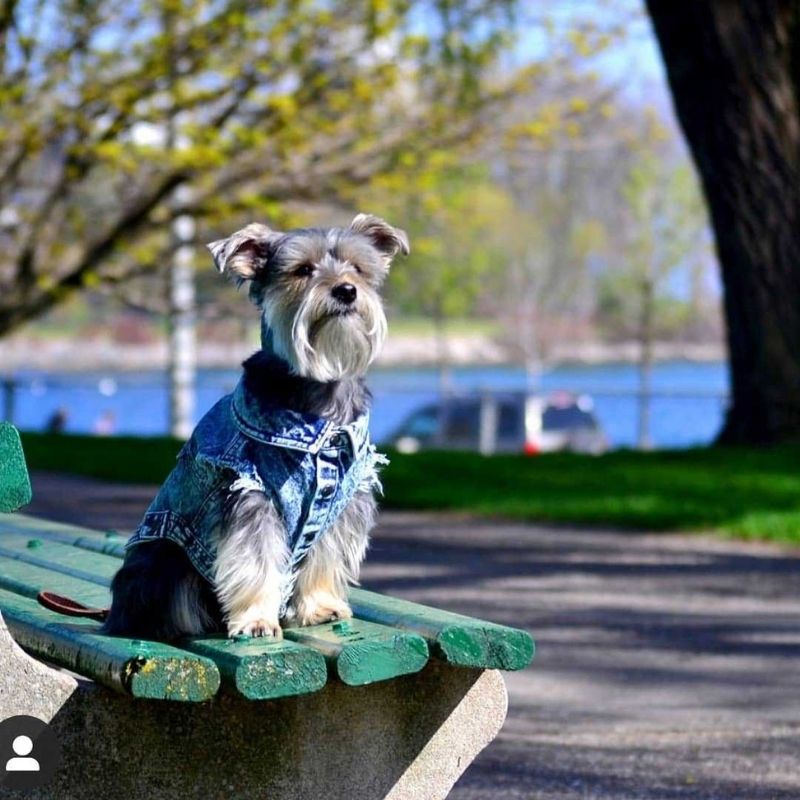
x=307 y=466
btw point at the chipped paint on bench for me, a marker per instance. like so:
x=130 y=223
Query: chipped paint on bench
x=454 y=638
x=142 y=669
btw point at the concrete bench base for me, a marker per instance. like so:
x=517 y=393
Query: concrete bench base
x=411 y=737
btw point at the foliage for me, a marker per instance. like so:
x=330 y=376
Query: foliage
x=665 y=226
x=116 y=117
x=750 y=493
x=570 y=242
x=546 y=279
x=504 y=161
x=452 y=220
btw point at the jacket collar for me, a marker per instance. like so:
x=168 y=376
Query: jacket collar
x=264 y=421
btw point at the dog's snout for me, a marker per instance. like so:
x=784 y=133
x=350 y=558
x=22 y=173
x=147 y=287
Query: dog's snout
x=344 y=292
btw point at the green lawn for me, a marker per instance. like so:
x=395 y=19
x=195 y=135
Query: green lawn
x=740 y=492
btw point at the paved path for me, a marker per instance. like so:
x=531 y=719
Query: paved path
x=667 y=666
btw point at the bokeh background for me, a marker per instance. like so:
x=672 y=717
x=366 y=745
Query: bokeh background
x=559 y=238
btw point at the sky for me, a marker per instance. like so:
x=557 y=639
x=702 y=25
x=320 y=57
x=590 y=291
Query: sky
x=633 y=61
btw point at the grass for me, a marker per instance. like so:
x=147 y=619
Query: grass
x=747 y=493
x=126 y=459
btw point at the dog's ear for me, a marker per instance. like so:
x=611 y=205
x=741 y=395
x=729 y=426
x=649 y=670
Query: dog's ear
x=244 y=254
x=384 y=237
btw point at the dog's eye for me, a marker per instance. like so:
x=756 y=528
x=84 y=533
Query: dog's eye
x=304 y=270
x=357 y=268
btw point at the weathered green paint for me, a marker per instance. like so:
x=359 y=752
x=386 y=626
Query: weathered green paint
x=456 y=639
x=29 y=579
x=260 y=669
x=15 y=485
x=33 y=526
x=365 y=652
x=49 y=556
x=143 y=669
x=109 y=543
x=256 y=668
x=109 y=547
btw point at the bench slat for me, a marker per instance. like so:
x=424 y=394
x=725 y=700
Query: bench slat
x=143 y=669
x=360 y=652
x=456 y=639
x=370 y=653
x=453 y=638
x=28 y=579
x=260 y=669
x=256 y=669
x=66 y=564
x=60 y=531
x=15 y=486
x=88 y=539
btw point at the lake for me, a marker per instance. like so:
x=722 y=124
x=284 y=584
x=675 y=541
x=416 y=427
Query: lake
x=687 y=408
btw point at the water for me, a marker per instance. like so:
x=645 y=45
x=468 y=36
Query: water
x=689 y=412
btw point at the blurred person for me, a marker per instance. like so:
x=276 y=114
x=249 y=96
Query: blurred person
x=57 y=421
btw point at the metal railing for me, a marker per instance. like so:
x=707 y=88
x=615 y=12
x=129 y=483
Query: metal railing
x=12 y=386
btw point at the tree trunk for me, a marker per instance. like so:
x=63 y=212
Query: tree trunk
x=442 y=352
x=643 y=439
x=734 y=70
x=182 y=332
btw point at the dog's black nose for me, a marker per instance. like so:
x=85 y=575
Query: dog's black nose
x=344 y=293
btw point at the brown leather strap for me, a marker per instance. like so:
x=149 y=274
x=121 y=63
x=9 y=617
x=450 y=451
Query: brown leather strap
x=72 y=608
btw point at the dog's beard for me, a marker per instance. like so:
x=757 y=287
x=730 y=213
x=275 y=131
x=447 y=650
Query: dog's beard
x=326 y=342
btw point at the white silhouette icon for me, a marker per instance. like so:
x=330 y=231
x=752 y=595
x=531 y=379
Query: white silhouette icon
x=22 y=745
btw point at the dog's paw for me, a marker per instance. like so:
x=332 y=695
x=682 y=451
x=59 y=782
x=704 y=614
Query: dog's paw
x=319 y=608
x=255 y=626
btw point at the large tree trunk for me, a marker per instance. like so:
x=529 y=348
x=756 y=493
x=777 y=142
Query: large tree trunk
x=734 y=70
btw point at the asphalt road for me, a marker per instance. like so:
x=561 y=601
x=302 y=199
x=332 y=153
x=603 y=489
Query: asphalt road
x=667 y=666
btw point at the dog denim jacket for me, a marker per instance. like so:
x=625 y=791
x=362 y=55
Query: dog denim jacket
x=309 y=468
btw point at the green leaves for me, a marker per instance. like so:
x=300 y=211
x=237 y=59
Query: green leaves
x=103 y=104
x=450 y=212
x=666 y=224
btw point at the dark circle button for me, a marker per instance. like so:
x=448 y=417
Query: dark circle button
x=339 y=440
x=326 y=491
x=29 y=753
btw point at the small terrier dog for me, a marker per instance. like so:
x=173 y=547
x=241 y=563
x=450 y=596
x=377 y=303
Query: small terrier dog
x=266 y=516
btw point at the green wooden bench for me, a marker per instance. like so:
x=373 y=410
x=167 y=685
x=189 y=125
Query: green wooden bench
x=388 y=641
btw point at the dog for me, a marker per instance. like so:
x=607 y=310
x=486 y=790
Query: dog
x=265 y=519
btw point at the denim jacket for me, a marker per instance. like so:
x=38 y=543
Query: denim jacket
x=308 y=467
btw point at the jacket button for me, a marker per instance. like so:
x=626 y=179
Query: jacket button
x=326 y=491
x=339 y=440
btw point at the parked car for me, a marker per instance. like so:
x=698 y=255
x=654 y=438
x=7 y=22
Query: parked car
x=504 y=423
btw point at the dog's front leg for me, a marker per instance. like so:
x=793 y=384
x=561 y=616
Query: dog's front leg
x=332 y=564
x=252 y=558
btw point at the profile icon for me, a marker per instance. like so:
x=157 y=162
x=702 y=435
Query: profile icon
x=30 y=754
x=22 y=760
